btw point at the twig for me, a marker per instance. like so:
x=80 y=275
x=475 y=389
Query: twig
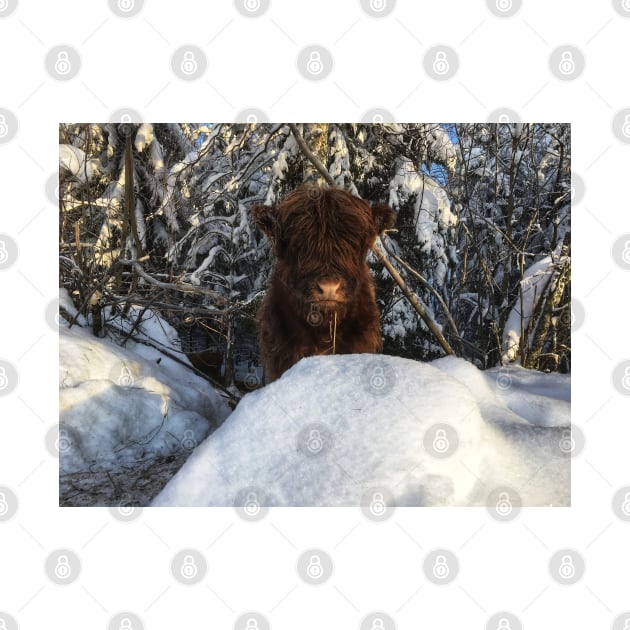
x=427 y=285
x=413 y=300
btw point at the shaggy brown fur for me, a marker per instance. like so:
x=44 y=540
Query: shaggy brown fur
x=320 y=238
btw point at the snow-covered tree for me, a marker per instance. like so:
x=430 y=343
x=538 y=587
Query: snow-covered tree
x=157 y=216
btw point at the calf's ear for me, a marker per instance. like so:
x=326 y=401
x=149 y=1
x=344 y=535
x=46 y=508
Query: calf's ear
x=265 y=218
x=384 y=216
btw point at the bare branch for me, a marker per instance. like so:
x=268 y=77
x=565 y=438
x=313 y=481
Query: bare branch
x=413 y=299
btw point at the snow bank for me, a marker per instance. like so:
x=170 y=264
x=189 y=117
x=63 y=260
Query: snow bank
x=334 y=428
x=117 y=406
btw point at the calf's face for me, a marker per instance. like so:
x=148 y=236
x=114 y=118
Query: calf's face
x=320 y=238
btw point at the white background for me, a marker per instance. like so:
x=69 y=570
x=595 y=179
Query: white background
x=252 y=63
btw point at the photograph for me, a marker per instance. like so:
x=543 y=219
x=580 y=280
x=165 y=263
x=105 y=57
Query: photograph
x=370 y=315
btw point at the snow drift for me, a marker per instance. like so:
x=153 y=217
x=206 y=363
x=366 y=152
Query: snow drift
x=117 y=407
x=333 y=428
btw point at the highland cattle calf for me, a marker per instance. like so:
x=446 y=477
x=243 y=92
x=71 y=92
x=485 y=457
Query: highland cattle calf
x=321 y=295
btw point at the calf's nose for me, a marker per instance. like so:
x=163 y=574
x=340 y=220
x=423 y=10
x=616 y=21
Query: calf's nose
x=328 y=289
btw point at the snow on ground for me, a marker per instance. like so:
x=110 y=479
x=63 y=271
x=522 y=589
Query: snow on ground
x=120 y=408
x=333 y=430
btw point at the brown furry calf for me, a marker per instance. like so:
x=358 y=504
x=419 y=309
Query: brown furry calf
x=321 y=295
